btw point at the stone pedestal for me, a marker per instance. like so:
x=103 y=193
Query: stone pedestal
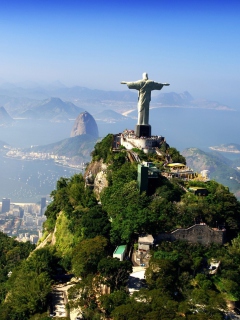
x=143 y=130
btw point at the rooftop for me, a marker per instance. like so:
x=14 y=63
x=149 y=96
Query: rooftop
x=178 y=165
x=120 y=249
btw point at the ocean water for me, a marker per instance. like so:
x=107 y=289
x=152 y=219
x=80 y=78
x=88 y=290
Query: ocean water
x=24 y=133
x=201 y=128
x=28 y=181
x=186 y=127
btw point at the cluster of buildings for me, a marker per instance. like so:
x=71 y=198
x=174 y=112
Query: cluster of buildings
x=23 y=220
x=61 y=160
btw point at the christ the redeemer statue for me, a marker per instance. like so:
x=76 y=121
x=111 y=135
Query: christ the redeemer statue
x=144 y=88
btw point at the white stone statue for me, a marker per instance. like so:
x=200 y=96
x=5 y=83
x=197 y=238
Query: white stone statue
x=144 y=88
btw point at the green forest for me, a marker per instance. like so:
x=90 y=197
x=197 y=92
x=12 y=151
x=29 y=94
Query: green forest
x=83 y=229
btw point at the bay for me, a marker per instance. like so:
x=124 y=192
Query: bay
x=28 y=181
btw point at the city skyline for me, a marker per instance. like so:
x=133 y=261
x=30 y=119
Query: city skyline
x=192 y=45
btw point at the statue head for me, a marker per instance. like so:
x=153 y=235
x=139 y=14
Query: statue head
x=145 y=76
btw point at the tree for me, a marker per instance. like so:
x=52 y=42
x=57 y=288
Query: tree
x=176 y=156
x=207 y=302
x=102 y=149
x=95 y=222
x=42 y=260
x=79 y=195
x=83 y=294
x=114 y=273
x=87 y=255
x=110 y=301
x=131 y=311
x=12 y=253
x=161 y=274
x=127 y=209
x=28 y=295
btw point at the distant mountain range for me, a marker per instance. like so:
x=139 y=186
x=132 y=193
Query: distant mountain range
x=53 y=109
x=29 y=99
x=172 y=98
x=66 y=93
x=220 y=168
x=186 y=100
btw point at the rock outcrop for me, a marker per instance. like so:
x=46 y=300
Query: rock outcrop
x=100 y=181
x=85 y=124
x=97 y=173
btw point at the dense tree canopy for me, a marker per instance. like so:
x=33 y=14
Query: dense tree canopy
x=114 y=273
x=87 y=255
x=29 y=286
x=11 y=254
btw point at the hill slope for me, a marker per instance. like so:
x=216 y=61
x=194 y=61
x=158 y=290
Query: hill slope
x=219 y=167
x=78 y=148
x=53 y=109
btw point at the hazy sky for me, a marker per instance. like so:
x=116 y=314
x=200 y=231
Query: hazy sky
x=192 y=44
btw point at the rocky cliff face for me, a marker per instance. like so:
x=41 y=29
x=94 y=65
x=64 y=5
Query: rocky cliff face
x=85 y=124
x=96 y=174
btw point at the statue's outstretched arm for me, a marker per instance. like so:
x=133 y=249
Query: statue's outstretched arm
x=133 y=85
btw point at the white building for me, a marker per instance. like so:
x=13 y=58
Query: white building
x=33 y=238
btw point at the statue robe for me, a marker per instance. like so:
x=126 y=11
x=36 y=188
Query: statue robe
x=144 y=88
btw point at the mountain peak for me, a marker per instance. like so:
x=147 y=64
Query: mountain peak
x=85 y=124
x=53 y=109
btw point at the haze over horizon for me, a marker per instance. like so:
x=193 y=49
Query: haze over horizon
x=96 y=44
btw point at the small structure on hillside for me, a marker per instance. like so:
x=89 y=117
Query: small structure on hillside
x=198 y=233
x=180 y=170
x=148 y=174
x=198 y=191
x=120 y=252
x=145 y=242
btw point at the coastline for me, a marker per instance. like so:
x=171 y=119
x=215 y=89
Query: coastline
x=224 y=150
